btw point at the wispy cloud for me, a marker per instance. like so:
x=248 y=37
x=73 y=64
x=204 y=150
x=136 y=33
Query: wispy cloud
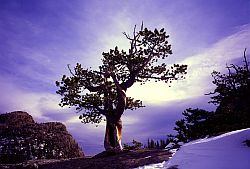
x=200 y=66
x=40 y=39
x=14 y=98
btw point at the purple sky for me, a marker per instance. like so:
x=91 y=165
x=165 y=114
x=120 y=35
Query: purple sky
x=40 y=37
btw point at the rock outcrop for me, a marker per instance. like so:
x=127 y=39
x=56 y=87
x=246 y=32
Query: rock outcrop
x=22 y=139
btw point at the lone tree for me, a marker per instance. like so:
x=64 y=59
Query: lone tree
x=102 y=93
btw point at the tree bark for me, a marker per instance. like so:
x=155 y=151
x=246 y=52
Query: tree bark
x=113 y=135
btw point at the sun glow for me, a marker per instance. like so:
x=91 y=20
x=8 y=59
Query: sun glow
x=156 y=93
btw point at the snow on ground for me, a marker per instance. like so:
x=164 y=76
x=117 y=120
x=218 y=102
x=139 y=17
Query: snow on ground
x=227 y=151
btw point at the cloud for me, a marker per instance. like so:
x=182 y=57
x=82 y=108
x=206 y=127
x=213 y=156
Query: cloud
x=13 y=98
x=39 y=40
x=223 y=52
x=200 y=66
x=156 y=121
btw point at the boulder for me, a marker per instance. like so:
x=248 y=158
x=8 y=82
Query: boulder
x=22 y=139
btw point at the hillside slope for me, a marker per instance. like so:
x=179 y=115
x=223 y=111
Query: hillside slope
x=226 y=151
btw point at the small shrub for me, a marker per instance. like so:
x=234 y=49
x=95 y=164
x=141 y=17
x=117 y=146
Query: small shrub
x=136 y=145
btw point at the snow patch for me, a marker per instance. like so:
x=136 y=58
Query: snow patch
x=226 y=151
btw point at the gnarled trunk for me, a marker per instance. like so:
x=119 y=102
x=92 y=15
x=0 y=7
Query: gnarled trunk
x=113 y=135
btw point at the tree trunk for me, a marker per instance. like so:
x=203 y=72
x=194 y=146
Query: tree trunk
x=113 y=135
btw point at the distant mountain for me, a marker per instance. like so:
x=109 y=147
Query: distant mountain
x=22 y=139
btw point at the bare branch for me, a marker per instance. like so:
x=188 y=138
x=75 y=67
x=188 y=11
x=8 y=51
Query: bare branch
x=235 y=67
x=127 y=36
x=230 y=75
x=70 y=70
x=245 y=60
x=142 y=26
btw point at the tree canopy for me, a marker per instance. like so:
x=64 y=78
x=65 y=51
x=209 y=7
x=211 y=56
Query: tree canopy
x=96 y=92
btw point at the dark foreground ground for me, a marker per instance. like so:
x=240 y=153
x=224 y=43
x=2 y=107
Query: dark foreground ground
x=124 y=160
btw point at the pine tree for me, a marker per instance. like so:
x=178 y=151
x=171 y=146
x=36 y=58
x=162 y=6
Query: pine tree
x=231 y=95
x=100 y=94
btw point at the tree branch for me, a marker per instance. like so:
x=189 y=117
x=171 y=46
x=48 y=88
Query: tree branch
x=245 y=60
x=121 y=98
x=94 y=88
x=70 y=70
x=91 y=106
x=101 y=111
x=128 y=83
x=158 y=78
x=118 y=86
x=230 y=79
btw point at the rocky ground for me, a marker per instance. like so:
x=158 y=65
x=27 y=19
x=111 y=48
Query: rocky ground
x=124 y=160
